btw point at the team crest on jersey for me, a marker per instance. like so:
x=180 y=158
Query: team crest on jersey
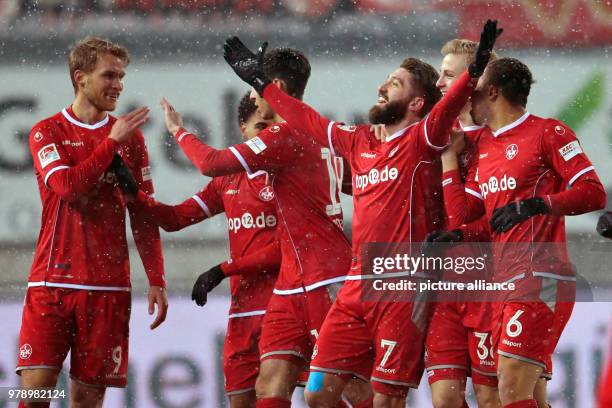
x=38 y=137
x=275 y=129
x=511 y=151
x=48 y=154
x=266 y=193
x=347 y=128
x=560 y=130
x=25 y=351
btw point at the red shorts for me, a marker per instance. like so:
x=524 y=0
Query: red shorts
x=92 y=325
x=459 y=344
x=530 y=331
x=381 y=342
x=292 y=323
x=241 y=354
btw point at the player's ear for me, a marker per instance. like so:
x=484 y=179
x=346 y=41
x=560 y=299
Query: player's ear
x=242 y=127
x=416 y=104
x=493 y=92
x=79 y=78
x=280 y=83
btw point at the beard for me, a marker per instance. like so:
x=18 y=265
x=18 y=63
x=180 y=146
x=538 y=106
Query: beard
x=389 y=113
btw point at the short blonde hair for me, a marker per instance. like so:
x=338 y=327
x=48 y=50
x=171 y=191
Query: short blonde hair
x=460 y=46
x=85 y=53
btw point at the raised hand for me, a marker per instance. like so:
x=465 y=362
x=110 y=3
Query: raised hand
x=124 y=127
x=247 y=65
x=174 y=120
x=489 y=34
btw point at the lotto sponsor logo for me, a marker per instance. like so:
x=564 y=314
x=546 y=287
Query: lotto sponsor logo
x=256 y=144
x=494 y=185
x=375 y=176
x=146 y=173
x=247 y=221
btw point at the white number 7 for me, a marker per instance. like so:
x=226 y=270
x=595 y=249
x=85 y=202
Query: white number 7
x=391 y=345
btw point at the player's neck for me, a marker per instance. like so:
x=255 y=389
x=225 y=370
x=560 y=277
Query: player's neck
x=503 y=115
x=85 y=112
x=465 y=118
x=407 y=121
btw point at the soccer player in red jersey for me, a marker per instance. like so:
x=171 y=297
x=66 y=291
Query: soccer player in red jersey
x=306 y=178
x=523 y=169
x=458 y=339
x=247 y=200
x=395 y=200
x=78 y=296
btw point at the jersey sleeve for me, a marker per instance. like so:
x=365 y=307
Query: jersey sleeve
x=434 y=129
x=56 y=169
x=266 y=259
x=146 y=233
x=563 y=153
x=307 y=121
x=195 y=209
x=275 y=147
x=463 y=202
x=208 y=160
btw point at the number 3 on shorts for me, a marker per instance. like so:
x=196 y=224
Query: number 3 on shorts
x=514 y=327
x=390 y=345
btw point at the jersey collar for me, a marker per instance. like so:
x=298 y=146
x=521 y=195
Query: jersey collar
x=400 y=132
x=78 y=123
x=512 y=125
x=257 y=174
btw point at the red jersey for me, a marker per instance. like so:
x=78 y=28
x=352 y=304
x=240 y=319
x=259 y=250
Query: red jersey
x=248 y=203
x=82 y=242
x=306 y=179
x=531 y=157
x=395 y=193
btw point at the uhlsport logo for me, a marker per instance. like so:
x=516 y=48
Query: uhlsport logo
x=493 y=185
x=375 y=176
x=247 y=221
x=266 y=193
x=25 y=351
x=511 y=151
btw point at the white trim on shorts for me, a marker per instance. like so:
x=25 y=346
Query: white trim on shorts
x=336 y=371
x=521 y=358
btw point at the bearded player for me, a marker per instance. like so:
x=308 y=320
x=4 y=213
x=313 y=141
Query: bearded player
x=395 y=201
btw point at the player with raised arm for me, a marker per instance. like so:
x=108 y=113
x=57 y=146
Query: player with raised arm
x=523 y=169
x=254 y=254
x=458 y=339
x=78 y=296
x=395 y=200
x=306 y=178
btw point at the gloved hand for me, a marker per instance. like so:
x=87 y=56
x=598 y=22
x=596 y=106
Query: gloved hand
x=514 y=213
x=489 y=34
x=604 y=225
x=126 y=180
x=247 y=65
x=427 y=248
x=205 y=283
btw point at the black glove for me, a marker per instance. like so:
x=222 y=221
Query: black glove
x=247 y=65
x=427 y=248
x=205 y=283
x=126 y=180
x=604 y=225
x=511 y=214
x=489 y=34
